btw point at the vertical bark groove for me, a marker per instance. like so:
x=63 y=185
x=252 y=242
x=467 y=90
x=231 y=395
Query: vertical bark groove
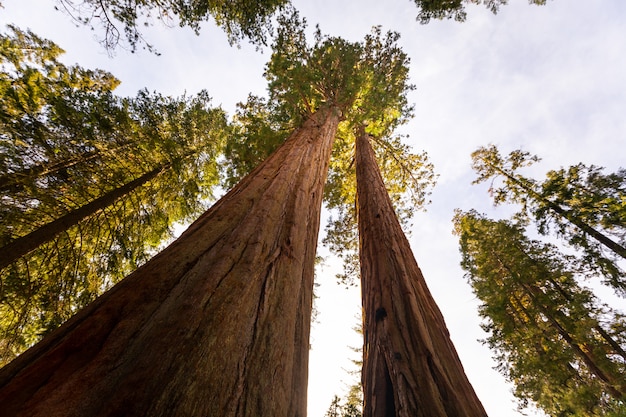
x=411 y=338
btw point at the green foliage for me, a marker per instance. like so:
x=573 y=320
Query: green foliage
x=455 y=9
x=584 y=206
x=304 y=78
x=598 y=200
x=368 y=83
x=551 y=337
x=348 y=409
x=257 y=130
x=66 y=140
x=240 y=19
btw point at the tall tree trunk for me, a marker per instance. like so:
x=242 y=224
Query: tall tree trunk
x=411 y=367
x=19 y=247
x=217 y=324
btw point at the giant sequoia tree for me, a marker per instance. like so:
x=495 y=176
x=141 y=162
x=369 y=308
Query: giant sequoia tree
x=562 y=349
x=410 y=366
x=91 y=182
x=218 y=322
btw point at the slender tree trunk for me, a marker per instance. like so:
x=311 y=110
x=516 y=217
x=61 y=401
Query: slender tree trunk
x=217 y=324
x=588 y=355
x=19 y=247
x=411 y=367
x=15 y=179
x=567 y=215
x=617 y=349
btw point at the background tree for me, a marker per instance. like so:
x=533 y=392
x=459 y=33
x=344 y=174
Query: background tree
x=349 y=407
x=455 y=9
x=552 y=338
x=91 y=183
x=410 y=366
x=585 y=207
x=240 y=19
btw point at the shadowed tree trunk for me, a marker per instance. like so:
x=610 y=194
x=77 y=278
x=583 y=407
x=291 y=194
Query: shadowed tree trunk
x=19 y=247
x=217 y=324
x=410 y=366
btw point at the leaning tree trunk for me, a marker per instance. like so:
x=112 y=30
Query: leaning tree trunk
x=566 y=214
x=16 y=180
x=410 y=366
x=19 y=247
x=217 y=324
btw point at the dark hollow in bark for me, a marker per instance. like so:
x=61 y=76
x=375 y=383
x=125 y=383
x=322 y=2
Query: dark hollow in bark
x=410 y=367
x=217 y=324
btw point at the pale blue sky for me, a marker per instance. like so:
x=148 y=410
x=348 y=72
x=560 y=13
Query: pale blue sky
x=548 y=79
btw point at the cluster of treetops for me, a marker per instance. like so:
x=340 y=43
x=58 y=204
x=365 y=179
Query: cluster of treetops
x=92 y=185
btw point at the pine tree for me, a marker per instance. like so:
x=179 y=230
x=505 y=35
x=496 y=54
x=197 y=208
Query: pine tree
x=81 y=172
x=585 y=207
x=552 y=338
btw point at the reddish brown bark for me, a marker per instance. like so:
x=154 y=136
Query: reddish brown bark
x=410 y=367
x=217 y=324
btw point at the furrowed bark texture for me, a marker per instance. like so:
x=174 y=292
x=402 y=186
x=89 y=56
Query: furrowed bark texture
x=410 y=367
x=215 y=325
